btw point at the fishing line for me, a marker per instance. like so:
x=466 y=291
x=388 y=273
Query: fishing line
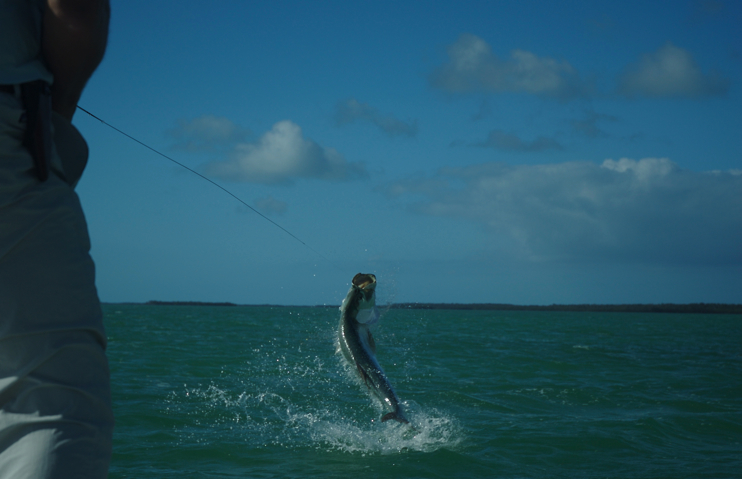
x=215 y=184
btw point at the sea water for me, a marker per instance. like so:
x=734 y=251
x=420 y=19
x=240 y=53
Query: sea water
x=230 y=392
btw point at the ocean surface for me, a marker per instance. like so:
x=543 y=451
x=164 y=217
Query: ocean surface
x=231 y=392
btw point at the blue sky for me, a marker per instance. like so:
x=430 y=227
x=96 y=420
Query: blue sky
x=512 y=152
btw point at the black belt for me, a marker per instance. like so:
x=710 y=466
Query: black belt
x=36 y=98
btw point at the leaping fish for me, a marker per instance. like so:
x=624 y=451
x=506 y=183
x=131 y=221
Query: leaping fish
x=357 y=312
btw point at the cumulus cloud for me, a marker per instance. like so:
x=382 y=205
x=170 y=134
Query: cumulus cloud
x=643 y=170
x=472 y=66
x=271 y=206
x=624 y=210
x=706 y=9
x=352 y=110
x=670 y=72
x=206 y=132
x=282 y=155
x=589 y=125
x=501 y=140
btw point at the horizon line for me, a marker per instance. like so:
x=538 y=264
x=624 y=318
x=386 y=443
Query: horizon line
x=700 y=307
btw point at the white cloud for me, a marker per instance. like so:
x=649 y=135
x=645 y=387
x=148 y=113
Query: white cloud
x=670 y=72
x=501 y=140
x=282 y=155
x=206 y=132
x=644 y=170
x=589 y=125
x=352 y=110
x=270 y=205
x=646 y=211
x=472 y=66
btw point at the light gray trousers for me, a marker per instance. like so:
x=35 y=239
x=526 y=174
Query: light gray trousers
x=55 y=406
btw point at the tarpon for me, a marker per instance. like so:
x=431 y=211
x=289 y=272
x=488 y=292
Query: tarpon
x=357 y=312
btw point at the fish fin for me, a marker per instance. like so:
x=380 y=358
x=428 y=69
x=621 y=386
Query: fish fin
x=395 y=416
x=364 y=375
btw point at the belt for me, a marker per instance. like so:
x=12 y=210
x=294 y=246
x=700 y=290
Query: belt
x=37 y=101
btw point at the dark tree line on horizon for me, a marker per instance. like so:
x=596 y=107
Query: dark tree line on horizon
x=698 y=308
x=706 y=308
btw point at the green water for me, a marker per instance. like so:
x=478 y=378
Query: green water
x=260 y=392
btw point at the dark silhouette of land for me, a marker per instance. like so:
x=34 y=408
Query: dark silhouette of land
x=697 y=308
x=714 y=308
x=188 y=303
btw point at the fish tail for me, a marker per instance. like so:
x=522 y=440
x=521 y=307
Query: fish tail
x=396 y=416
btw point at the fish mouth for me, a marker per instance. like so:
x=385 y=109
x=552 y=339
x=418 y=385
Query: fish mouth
x=364 y=281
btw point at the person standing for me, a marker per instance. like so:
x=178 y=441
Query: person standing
x=55 y=408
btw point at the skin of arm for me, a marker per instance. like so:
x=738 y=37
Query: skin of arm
x=74 y=38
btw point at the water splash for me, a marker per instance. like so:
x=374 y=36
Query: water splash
x=433 y=430
x=306 y=418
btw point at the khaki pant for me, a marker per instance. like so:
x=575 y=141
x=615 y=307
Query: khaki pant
x=55 y=408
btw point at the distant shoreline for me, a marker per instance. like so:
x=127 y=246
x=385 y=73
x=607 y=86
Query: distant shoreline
x=705 y=308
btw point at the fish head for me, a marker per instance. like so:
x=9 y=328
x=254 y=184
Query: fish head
x=366 y=284
x=362 y=296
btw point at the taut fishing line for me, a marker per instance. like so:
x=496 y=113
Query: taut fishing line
x=215 y=184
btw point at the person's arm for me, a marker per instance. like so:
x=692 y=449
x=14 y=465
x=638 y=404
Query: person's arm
x=74 y=39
